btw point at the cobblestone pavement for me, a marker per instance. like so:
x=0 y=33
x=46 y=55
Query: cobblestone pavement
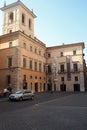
x=64 y=113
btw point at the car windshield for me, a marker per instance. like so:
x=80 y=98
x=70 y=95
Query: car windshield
x=19 y=92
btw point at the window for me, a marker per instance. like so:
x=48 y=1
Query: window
x=31 y=77
x=74 y=52
x=10 y=44
x=39 y=52
x=24 y=77
x=8 y=79
x=62 y=78
x=11 y=17
x=9 y=61
x=29 y=23
x=49 y=68
x=61 y=68
x=35 y=77
x=49 y=55
x=10 y=31
x=30 y=48
x=23 y=18
x=75 y=67
x=76 y=78
x=24 y=45
x=40 y=67
x=40 y=78
x=30 y=64
x=36 y=66
x=61 y=54
x=24 y=62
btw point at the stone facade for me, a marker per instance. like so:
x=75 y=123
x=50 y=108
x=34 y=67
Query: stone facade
x=26 y=63
x=69 y=68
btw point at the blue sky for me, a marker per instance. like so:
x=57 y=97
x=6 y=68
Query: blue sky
x=58 y=21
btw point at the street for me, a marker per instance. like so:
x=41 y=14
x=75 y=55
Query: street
x=57 y=111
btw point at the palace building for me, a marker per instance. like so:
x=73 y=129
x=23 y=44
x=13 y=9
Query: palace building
x=26 y=62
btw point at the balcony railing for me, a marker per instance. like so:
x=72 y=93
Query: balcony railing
x=75 y=71
x=62 y=71
x=65 y=71
x=71 y=71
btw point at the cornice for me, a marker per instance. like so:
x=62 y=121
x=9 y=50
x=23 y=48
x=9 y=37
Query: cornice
x=68 y=45
x=17 y=4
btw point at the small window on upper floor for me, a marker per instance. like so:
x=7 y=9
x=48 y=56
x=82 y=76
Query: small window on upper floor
x=76 y=78
x=30 y=48
x=24 y=45
x=10 y=31
x=31 y=77
x=62 y=78
x=74 y=52
x=35 y=77
x=61 y=53
x=49 y=55
x=35 y=65
x=10 y=44
x=9 y=61
x=30 y=24
x=75 y=67
x=24 y=62
x=23 y=18
x=31 y=64
x=39 y=52
x=62 y=68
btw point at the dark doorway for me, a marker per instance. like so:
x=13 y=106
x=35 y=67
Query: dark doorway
x=44 y=87
x=36 y=87
x=49 y=86
x=63 y=87
x=54 y=87
x=76 y=87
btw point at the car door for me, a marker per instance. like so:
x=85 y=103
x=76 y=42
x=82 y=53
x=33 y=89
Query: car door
x=27 y=94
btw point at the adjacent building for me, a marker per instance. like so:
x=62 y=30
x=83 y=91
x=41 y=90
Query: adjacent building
x=65 y=67
x=22 y=56
x=26 y=62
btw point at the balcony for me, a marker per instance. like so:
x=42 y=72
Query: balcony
x=71 y=71
x=75 y=71
x=62 y=71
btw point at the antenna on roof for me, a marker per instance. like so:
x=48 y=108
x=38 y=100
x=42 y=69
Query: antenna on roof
x=18 y=0
x=4 y=3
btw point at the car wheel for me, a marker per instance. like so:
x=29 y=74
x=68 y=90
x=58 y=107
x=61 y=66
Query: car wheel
x=21 y=99
x=32 y=97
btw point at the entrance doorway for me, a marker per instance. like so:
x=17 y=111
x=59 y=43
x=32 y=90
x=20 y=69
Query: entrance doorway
x=63 y=87
x=44 y=87
x=54 y=87
x=36 y=87
x=49 y=87
x=76 y=87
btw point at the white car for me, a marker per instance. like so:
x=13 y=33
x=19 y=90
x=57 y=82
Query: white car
x=21 y=95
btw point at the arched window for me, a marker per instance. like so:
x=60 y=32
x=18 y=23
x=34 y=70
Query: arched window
x=29 y=23
x=23 y=18
x=24 y=45
x=11 y=16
